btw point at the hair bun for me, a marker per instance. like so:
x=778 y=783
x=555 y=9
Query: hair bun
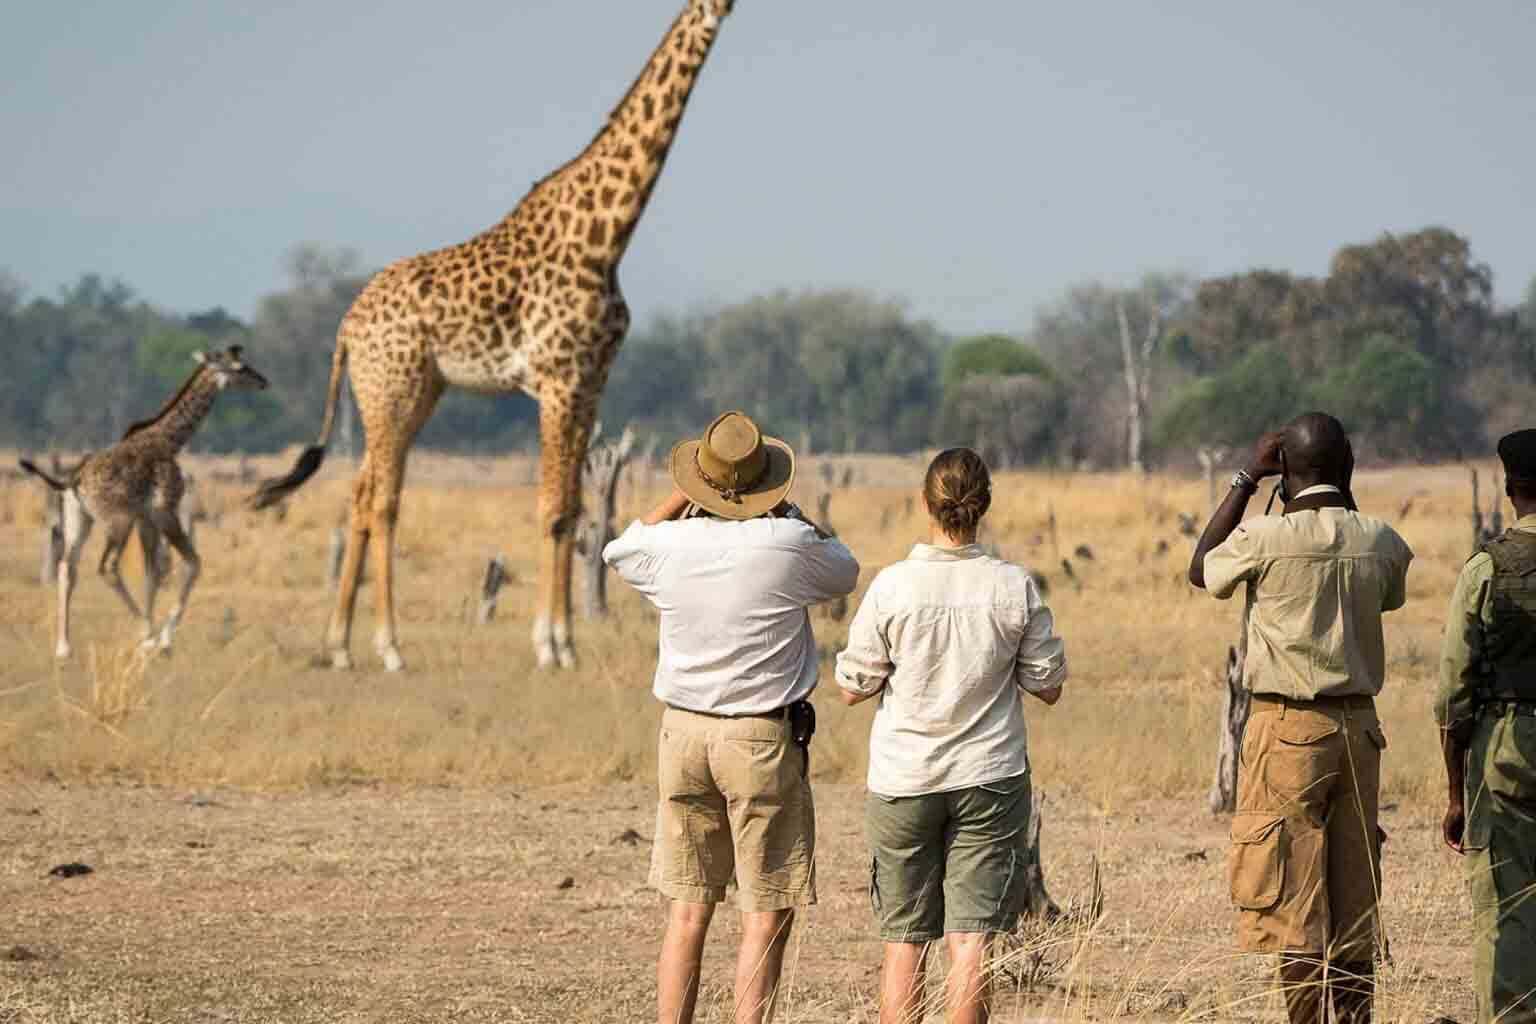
x=958 y=490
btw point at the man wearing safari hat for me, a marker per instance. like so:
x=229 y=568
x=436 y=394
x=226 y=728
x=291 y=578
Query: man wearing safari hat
x=1487 y=714
x=732 y=567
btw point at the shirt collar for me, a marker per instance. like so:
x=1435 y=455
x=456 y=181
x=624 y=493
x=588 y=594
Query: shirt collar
x=1320 y=489
x=930 y=553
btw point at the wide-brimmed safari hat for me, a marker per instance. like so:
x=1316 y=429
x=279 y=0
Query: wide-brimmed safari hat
x=733 y=471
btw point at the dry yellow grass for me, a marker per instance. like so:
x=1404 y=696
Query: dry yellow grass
x=240 y=708
x=240 y=702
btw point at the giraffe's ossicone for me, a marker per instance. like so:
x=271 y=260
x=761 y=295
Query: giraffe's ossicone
x=532 y=304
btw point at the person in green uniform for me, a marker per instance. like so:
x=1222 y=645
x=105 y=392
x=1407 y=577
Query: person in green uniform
x=1487 y=714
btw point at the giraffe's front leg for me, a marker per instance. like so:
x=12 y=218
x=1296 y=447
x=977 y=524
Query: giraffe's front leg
x=565 y=428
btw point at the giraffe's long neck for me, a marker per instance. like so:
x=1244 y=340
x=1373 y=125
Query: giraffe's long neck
x=173 y=426
x=611 y=182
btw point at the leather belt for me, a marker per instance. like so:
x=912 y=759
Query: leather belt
x=777 y=714
x=1520 y=708
x=1355 y=702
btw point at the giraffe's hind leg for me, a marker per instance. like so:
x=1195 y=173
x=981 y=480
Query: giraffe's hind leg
x=119 y=529
x=154 y=573
x=192 y=567
x=338 y=635
x=77 y=529
x=388 y=460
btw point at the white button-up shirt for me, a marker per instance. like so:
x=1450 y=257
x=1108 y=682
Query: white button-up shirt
x=949 y=638
x=735 y=635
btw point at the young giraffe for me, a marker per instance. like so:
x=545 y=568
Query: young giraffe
x=136 y=482
x=533 y=304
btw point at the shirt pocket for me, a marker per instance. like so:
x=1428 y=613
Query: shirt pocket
x=1256 y=862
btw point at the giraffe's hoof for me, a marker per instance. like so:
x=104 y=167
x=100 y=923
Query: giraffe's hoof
x=341 y=660
x=392 y=660
x=566 y=656
x=62 y=652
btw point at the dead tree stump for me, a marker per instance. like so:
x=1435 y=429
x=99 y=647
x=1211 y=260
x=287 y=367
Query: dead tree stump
x=333 y=556
x=490 y=589
x=1234 y=719
x=1483 y=532
x=604 y=465
x=1038 y=902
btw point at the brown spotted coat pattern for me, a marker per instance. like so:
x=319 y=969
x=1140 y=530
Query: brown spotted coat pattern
x=532 y=304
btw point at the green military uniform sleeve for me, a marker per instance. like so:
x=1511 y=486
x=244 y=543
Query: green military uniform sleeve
x=1465 y=623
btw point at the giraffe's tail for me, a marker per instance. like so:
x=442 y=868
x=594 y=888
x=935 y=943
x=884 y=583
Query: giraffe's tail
x=277 y=488
x=55 y=483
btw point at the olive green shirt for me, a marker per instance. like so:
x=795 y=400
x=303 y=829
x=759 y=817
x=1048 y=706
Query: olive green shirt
x=1501 y=761
x=1466 y=623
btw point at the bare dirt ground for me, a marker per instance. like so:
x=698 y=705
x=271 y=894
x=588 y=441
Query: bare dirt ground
x=436 y=904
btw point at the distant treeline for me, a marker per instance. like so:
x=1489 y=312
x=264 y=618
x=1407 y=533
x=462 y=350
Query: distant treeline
x=1402 y=339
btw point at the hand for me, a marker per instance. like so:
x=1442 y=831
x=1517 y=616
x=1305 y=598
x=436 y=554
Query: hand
x=1453 y=829
x=672 y=506
x=1266 y=455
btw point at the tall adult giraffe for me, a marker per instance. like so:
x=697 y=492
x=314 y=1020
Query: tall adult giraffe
x=533 y=304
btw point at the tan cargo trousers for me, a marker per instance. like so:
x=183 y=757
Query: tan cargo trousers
x=1305 y=861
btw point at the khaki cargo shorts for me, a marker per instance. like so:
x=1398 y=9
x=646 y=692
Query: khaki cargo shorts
x=735 y=804
x=949 y=862
x=1305 y=860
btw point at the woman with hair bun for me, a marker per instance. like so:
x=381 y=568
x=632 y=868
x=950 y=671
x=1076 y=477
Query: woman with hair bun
x=948 y=640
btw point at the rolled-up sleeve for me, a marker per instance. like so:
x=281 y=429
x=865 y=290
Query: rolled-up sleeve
x=1397 y=586
x=1233 y=561
x=1456 y=701
x=632 y=555
x=1042 y=660
x=865 y=665
x=827 y=570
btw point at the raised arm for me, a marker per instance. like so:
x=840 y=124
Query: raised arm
x=1265 y=463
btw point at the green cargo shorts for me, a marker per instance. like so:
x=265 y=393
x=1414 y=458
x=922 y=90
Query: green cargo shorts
x=948 y=862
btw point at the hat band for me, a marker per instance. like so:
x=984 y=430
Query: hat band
x=726 y=491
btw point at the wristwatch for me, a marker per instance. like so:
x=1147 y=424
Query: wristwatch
x=1243 y=481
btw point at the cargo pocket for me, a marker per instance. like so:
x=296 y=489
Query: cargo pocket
x=1256 y=864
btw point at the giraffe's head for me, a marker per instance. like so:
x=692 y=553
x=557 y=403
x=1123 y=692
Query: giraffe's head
x=229 y=369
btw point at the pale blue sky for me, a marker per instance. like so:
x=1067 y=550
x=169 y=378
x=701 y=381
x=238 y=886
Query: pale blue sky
x=974 y=158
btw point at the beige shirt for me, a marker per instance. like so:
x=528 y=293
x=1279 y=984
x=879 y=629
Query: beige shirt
x=1318 y=583
x=735 y=636
x=949 y=638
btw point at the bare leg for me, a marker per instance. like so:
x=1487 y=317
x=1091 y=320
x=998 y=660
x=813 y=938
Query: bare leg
x=154 y=571
x=77 y=528
x=338 y=635
x=903 y=978
x=191 y=569
x=968 y=991
x=682 y=954
x=759 y=962
x=118 y=532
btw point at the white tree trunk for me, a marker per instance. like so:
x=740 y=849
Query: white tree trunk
x=604 y=464
x=1138 y=382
